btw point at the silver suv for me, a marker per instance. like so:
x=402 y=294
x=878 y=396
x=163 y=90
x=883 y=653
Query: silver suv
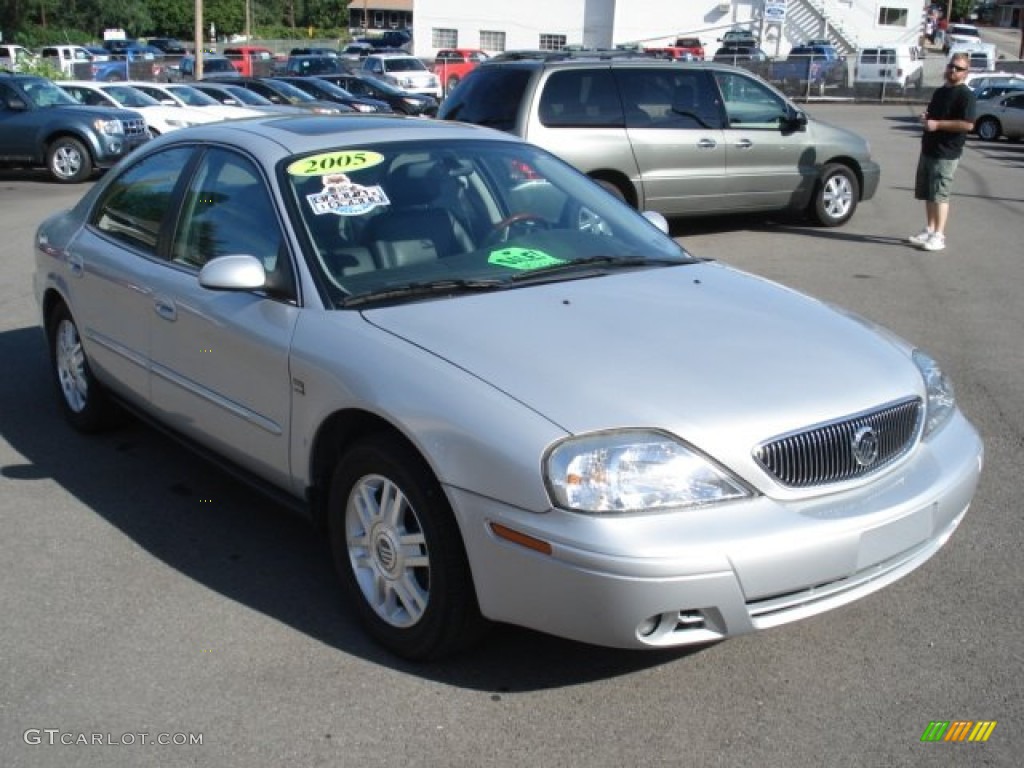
x=683 y=139
x=405 y=71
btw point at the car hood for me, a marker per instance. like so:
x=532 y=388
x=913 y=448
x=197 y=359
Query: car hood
x=707 y=352
x=828 y=138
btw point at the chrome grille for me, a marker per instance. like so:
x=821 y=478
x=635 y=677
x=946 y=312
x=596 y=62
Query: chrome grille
x=134 y=127
x=835 y=452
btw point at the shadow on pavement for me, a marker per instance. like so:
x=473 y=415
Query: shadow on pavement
x=229 y=538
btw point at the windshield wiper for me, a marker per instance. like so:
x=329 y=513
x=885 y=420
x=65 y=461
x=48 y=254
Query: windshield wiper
x=450 y=287
x=624 y=262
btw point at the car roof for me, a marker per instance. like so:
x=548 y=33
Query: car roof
x=273 y=137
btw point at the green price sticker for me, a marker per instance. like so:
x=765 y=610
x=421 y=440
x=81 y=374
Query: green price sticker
x=522 y=258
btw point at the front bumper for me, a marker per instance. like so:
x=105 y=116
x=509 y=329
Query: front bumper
x=697 y=576
x=872 y=175
x=113 y=148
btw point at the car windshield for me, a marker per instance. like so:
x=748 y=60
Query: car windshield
x=245 y=96
x=127 y=96
x=290 y=92
x=326 y=86
x=44 y=93
x=411 y=221
x=192 y=97
x=382 y=86
x=409 y=64
x=218 y=65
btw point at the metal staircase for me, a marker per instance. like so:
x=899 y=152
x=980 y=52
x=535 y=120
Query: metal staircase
x=821 y=19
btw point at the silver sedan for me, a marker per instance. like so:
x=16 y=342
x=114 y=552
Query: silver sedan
x=505 y=395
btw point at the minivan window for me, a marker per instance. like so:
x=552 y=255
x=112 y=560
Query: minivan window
x=585 y=97
x=669 y=98
x=489 y=96
x=749 y=103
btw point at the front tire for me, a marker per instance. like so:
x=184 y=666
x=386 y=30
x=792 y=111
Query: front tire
x=399 y=553
x=83 y=400
x=988 y=129
x=68 y=161
x=836 y=196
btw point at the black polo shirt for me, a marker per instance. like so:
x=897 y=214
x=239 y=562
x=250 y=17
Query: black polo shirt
x=950 y=102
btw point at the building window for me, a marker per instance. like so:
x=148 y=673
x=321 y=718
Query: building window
x=444 y=38
x=492 y=41
x=552 y=42
x=892 y=17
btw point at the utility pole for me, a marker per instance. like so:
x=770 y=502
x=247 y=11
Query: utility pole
x=199 y=40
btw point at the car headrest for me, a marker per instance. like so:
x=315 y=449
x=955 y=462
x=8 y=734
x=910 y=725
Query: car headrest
x=414 y=184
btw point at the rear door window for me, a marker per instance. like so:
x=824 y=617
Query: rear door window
x=489 y=97
x=669 y=98
x=581 y=97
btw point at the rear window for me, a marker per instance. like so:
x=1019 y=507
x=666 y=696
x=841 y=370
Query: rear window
x=404 y=65
x=488 y=96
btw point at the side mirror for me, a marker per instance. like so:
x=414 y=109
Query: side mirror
x=234 y=272
x=796 y=120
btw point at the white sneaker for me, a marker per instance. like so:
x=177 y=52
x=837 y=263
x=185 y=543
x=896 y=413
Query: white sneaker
x=920 y=237
x=935 y=242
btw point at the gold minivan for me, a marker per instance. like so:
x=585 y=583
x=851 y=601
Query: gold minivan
x=682 y=139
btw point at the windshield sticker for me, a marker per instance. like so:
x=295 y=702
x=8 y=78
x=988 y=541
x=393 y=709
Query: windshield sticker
x=342 y=197
x=522 y=258
x=335 y=162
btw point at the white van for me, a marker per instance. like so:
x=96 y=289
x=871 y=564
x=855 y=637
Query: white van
x=11 y=56
x=72 y=60
x=896 y=68
x=982 y=56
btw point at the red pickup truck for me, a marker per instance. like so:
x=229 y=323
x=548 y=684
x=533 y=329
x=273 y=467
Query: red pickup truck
x=687 y=48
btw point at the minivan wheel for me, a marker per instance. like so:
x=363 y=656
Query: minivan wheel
x=835 y=198
x=612 y=188
x=988 y=129
x=398 y=551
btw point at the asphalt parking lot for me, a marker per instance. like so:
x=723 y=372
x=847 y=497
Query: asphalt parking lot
x=147 y=595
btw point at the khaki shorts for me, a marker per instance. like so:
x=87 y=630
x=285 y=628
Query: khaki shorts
x=934 y=181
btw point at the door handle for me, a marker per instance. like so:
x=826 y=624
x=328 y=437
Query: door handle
x=744 y=144
x=75 y=264
x=165 y=309
x=707 y=144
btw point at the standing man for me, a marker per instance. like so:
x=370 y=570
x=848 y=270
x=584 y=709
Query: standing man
x=947 y=121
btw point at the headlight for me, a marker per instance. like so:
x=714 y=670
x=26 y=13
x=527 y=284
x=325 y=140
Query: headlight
x=364 y=108
x=634 y=471
x=941 y=398
x=109 y=127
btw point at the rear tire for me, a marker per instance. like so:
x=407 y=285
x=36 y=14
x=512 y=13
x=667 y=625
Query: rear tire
x=83 y=399
x=988 y=129
x=613 y=189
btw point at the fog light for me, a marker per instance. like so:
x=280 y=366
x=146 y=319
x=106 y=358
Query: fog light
x=115 y=147
x=648 y=627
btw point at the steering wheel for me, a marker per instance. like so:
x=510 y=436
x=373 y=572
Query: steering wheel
x=500 y=231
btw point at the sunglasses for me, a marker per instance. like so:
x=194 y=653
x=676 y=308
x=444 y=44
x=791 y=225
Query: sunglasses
x=955 y=68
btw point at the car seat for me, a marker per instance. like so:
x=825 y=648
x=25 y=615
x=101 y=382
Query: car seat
x=416 y=227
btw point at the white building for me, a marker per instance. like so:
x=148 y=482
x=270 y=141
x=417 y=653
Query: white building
x=552 y=24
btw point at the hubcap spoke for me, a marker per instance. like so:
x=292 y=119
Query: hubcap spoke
x=388 y=551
